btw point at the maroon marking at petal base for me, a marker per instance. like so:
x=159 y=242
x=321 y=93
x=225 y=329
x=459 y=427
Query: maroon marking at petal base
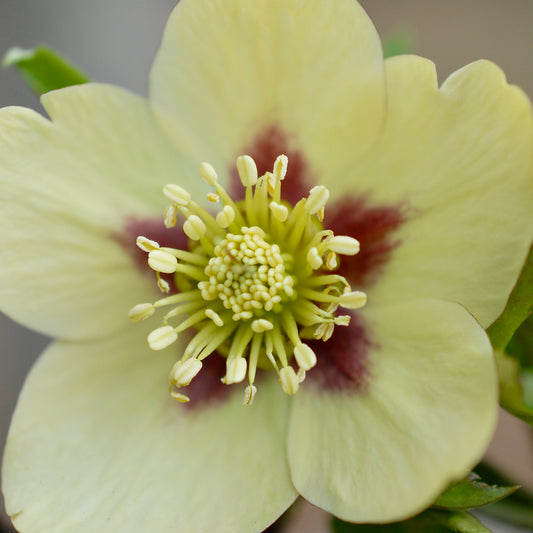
x=264 y=150
x=342 y=361
x=373 y=227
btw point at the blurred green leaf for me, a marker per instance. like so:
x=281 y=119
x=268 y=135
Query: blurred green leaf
x=512 y=393
x=518 y=308
x=516 y=508
x=434 y=521
x=44 y=69
x=471 y=493
x=398 y=43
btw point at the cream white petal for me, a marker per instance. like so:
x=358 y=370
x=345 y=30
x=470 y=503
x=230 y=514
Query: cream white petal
x=312 y=69
x=97 y=444
x=384 y=452
x=69 y=186
x=458 y=160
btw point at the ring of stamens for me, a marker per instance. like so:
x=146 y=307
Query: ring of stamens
x=254 y=283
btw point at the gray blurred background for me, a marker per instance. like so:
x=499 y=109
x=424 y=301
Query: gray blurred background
x=115 y=41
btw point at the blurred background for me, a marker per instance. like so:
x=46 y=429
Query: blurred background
x=115 y=41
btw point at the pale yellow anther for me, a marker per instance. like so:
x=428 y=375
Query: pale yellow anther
x=288 y=380
x=305 y=356
x=331 y=261
x=141 y=312
x=213 y=197
x=279 y=211
x=249 y=395
x=162 y=337
x=176 y=194
x=261 y=324
x=324 y=331
x=314 y=259
x=146 y=245
x=163 y=285
x=247 y=170
x=225 y=217
x=183 y=372
x=182 y=398
x=344 y=245
x=320 y=214
x=342 y=320
x=352 y=300
x=235 y=370
x=300 y=375
x=215 y=317
x=280 y=167
x=162 y=261
x=170 y=216
x=317 y=199
x=208 y=174
x=194 y=227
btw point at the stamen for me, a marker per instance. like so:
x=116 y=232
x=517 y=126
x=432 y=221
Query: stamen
x=182 y=398
x=235 y=370
x=305 y=357
x=280 y=167
x=288 y=379
x=314 y=259
x=208 y=174
x=162 y=261
x=177 y=194
x=170 y=216
x=194 y=227
x=353 y=300
x=251 y=283
x=146 y=245
x=162 y=337
x=317 y=199
x=183 y=372
x=225 y=217
x=141 y=312
x=262 y=325
x=279 y=211
x=343 y=245
x=215 y=317
x=249 y=395
x=247 y=170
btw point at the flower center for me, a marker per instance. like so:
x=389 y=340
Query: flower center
x=247 y=274
x=255 y=282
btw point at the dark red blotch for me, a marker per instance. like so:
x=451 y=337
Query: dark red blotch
x=264 y=150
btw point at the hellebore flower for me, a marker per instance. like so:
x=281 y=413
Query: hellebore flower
x=399 y=396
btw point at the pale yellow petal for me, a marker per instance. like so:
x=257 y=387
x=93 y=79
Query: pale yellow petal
x=69 y=186
x=313 y=70
x=384 y=452
x=458 y=160
x=97 y=444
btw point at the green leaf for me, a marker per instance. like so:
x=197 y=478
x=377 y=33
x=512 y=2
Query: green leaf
x=518 y=308
x=44 y=69
x=514 y=396
x=521 y=344
x=398 y=43
x=459 y=521
x=517 y=508
x=471 y=493
x=429 y=521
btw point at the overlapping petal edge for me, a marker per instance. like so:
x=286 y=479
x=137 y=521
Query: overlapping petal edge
x=452 y=247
